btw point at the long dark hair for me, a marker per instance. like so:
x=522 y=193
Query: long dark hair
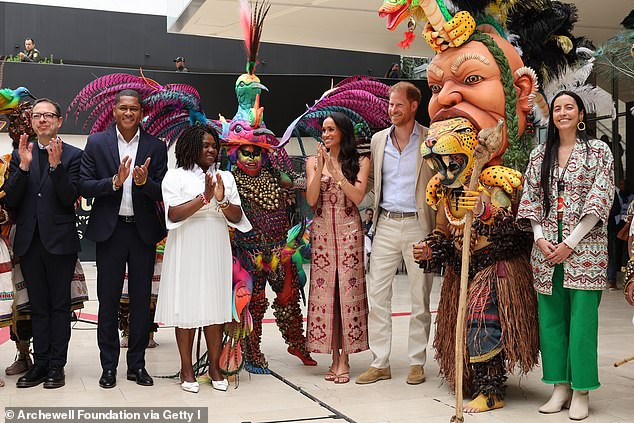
x=552 y=147
x=190 y=144
x=348 y=154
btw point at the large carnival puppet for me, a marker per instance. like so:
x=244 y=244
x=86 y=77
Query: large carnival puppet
x=480 y=105
x=263 y=176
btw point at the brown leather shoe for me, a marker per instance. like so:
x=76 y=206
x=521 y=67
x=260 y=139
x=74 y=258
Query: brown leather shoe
x=19 y=366
x=373 y=375
x=416 y=375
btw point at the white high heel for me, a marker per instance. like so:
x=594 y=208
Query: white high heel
x=579 y=405
x=220 y=385
x=558 y=400
x=192 y=387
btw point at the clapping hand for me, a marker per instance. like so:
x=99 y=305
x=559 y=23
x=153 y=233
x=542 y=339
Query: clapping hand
x=139 y=173
x=210 y=186
x=25 y=150
x=124 y=170
x=54 y=150
x=321 y=158
x=219 y=191
x=334 y=171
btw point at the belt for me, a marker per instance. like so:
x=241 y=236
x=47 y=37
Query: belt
x=127 y=219
x=398 y=215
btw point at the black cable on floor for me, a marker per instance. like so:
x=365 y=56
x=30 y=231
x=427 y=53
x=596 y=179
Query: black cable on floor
x=337 y=415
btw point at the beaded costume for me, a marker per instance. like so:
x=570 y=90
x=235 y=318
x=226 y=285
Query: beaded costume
x=262 y=172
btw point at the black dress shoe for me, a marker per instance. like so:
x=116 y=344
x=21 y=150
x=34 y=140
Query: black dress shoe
x=55 y=378
x=33 y=377
x=108 y=379
x=141 y=377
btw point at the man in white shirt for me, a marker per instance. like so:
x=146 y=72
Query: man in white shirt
x=402 y=219
x=123 y=168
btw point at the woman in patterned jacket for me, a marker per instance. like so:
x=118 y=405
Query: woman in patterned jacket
x=567 y=196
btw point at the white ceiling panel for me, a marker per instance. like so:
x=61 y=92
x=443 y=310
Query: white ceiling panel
x=355 y=24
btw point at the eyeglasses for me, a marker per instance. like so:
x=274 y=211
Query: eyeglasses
x=46 y=116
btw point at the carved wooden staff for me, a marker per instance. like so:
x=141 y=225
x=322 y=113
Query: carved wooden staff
x=489 y=142
x=625 y=360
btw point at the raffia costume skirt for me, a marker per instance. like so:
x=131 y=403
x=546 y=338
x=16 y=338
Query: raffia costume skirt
x=501 y=317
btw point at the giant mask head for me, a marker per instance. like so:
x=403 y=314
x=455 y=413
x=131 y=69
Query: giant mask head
x=482 y=81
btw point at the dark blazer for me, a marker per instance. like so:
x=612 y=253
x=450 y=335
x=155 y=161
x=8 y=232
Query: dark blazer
x=100 y=163
x=46 y=200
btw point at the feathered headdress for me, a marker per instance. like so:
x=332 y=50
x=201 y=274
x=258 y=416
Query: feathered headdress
x=168 y=109
x=618 y=52
x=363 y=99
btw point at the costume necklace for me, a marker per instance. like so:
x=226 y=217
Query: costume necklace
x=561 y=187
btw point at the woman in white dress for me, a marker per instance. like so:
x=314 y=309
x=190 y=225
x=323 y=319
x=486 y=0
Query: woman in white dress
x=195 y=288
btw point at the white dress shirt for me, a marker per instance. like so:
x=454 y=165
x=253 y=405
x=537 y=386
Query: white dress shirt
x=399 y=175
x=127 y=149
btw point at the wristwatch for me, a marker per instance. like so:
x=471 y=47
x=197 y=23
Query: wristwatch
x=52 y=168
x=114 y=183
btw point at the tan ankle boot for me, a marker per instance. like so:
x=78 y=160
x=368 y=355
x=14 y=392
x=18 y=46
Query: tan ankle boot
x=558 y=400
x=579 y=405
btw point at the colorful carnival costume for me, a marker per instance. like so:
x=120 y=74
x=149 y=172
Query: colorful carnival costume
x=262 y=173
x=264 y=192
x=501 y=323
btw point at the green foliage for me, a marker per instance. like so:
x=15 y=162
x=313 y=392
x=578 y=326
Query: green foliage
x=409 y=63
x=45 y=60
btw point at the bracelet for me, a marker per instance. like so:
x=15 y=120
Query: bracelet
x=202 y=197
x=341 y=181
x=115 y=179
x=224 y=203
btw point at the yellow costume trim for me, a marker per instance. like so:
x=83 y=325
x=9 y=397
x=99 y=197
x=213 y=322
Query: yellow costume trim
x=485 y=357
x=480 y=403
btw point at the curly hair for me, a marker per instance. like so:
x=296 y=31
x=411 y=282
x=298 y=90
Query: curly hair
x=190 y=145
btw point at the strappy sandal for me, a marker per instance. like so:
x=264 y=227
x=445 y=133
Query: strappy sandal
x=330 y=375
x=342 y=378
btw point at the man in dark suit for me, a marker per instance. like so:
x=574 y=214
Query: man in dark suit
x=122 y=168
x=41 y=192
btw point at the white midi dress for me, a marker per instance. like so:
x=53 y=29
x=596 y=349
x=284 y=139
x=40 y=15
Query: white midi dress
x=196 y=278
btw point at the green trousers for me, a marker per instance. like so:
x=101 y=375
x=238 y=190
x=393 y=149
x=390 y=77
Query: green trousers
x=568 y=331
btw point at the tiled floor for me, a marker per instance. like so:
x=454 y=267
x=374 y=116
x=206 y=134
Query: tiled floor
x=270 y=399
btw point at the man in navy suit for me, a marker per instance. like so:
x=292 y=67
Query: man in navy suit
x=41 y=192
x=122 y=168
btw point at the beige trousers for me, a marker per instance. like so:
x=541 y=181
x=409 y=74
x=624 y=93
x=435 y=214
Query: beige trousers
x=393 y=241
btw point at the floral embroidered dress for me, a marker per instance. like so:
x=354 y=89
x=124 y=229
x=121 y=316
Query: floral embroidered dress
x=336 y=268
x=589 y=188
